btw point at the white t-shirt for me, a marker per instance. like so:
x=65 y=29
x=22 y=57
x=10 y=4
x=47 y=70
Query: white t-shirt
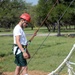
x=23 y=40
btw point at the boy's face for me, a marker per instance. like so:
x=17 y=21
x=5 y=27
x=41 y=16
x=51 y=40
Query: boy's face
x=25 y=23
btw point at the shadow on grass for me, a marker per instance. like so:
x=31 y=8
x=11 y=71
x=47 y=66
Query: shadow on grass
x=3 y=55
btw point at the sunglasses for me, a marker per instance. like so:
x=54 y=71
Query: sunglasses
x=26 y=22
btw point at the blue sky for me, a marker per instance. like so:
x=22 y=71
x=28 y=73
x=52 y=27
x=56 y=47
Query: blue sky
x=34 y=2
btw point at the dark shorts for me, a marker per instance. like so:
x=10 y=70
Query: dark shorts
x=20 y=60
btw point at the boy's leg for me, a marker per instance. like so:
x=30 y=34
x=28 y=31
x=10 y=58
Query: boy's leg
x=17 y=70
x=25 y=70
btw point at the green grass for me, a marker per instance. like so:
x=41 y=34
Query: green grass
x=52 y=52
x=47 y=58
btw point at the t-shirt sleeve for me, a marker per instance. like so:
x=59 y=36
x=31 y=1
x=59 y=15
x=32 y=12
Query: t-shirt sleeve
x=17 y=32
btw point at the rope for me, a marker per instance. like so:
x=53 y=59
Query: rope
x=59 y=20
x=66 y=10
x=63 y=15
x=37 y=31
x=49 y=32
x=43 y=21
x=39 y=47
x=46 y=36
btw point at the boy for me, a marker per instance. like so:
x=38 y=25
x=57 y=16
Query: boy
x=20 y=42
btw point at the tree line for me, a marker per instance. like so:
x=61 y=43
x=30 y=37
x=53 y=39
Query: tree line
x=44 y=6
x=10 y=10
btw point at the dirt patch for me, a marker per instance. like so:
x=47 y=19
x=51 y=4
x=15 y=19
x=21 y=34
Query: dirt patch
x=30 y=73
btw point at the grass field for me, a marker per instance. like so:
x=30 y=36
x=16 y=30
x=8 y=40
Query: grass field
x=47 y=58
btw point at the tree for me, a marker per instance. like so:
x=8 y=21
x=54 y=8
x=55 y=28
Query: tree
x=45 y=5
x=10 y=10
x=42 y=10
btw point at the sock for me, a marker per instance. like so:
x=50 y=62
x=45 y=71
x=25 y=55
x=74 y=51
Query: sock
x=26 y=74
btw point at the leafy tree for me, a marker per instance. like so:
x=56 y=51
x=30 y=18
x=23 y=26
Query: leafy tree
x=10 y=11
x=44 y=7
x=42 y=10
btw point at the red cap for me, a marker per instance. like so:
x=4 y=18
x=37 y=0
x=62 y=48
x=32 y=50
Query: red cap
x=26 y=17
